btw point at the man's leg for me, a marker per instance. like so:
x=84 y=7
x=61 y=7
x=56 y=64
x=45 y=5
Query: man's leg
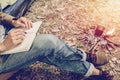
x=49 y=49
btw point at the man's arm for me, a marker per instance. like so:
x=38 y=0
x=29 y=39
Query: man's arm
x=21 y=22
x=6 y=18
x=2 y=47
x=15 y=36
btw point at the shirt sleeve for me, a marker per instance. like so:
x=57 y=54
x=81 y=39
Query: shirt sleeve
x=5 y=17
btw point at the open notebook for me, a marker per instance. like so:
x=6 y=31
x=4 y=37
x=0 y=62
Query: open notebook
x=26 y=44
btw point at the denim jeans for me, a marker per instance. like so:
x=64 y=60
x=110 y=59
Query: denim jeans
x=51 y=50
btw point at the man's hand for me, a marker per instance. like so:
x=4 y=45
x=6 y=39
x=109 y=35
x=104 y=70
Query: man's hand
x=15 y=37
x=22 y=22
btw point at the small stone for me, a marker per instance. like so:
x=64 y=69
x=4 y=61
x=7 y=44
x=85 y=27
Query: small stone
x=112 y=65
x=118 y=61
x=117 y=69
x=114 y=59
x=110 y=61
x=111 y=72
x=40 y=17
x=55 y=30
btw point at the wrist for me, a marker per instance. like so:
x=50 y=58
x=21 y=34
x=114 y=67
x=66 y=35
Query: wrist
x=14 y=21
x=2 y=47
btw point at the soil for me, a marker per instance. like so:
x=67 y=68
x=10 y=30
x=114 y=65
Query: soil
x=74 y=21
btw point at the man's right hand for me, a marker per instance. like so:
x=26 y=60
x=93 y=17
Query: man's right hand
x=14 y=38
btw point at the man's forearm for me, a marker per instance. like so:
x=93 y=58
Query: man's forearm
x=2 y=47
x=5 y=17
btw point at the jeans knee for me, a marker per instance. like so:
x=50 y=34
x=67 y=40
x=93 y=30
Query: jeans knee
x=46 y=40
x=49 y=38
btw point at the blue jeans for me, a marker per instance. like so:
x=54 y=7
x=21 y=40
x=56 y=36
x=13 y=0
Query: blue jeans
x=51 y=50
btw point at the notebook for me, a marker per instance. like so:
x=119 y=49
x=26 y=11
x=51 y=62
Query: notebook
x=29 y=38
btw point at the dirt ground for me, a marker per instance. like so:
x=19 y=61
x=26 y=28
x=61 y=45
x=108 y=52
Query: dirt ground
x=75 y=22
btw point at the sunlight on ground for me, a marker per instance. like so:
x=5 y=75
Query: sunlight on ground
x=104 y=12
x=87 y=13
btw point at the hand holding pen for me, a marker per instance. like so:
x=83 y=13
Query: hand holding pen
x=14 y=38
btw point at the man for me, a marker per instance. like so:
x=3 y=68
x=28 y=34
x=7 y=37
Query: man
x=46 y=48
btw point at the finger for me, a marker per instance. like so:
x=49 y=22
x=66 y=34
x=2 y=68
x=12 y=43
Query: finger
x=21 y=24
x=24 y=21
x=19 y=37
x=17 y=23
x=17 y=32
x=29 y=24
x=18 y=41
x=26 y=24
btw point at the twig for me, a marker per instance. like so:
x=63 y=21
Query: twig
x=94 y=46
x=108 y=49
